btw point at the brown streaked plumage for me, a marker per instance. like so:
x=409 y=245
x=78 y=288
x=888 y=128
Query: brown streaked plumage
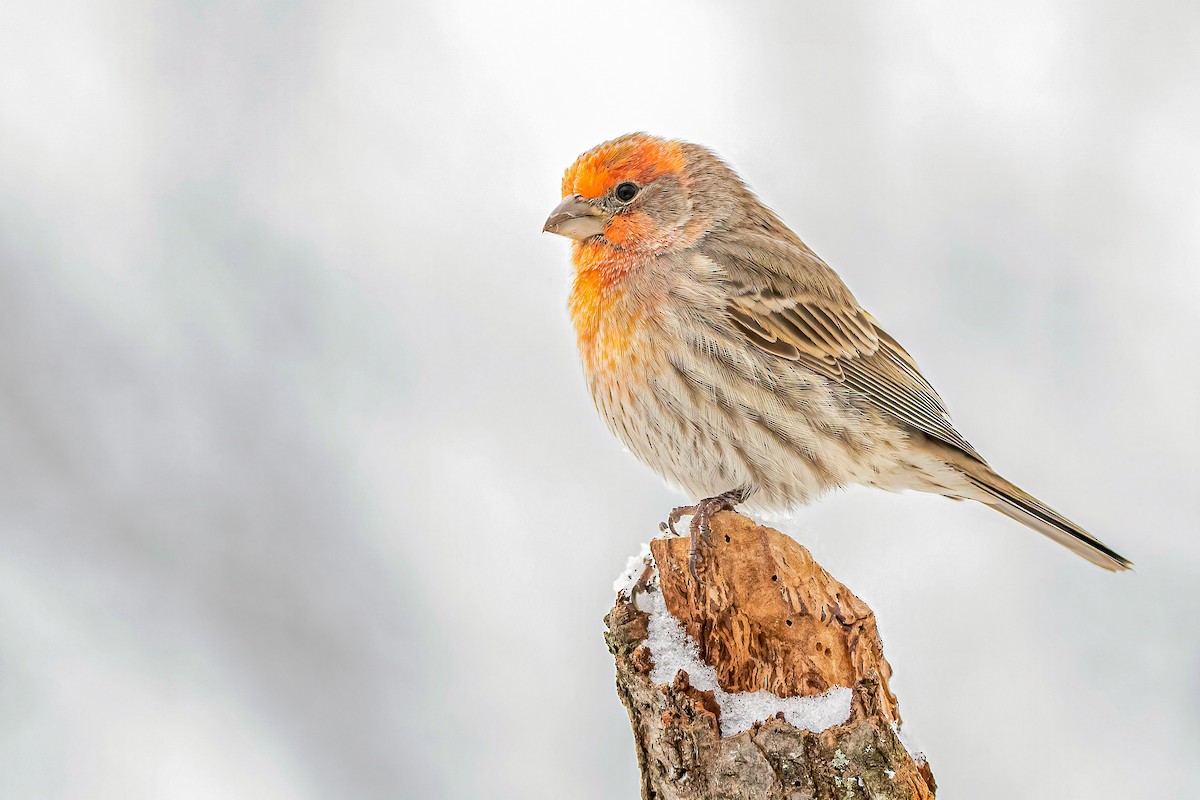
x=731 y=359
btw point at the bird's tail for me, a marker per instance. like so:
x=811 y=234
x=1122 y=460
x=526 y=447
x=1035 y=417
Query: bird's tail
x=1014 y=502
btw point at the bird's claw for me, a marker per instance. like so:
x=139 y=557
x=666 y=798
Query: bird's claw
x=677 y=513
x=642 y=585
x=700 y=527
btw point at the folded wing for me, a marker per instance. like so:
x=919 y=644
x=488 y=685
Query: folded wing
x=788 y=302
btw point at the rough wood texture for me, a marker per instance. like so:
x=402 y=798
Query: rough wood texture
x=765 y=616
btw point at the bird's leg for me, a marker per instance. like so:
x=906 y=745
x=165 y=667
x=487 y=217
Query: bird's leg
x=642 y=585
x=699 y=529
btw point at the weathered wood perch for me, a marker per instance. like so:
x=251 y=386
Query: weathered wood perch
x=765 y=617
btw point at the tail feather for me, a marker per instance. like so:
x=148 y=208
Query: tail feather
x=1027 y=509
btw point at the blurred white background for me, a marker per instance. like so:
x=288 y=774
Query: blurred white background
x=303 y=496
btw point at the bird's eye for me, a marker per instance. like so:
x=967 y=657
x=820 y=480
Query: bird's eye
x=626 y=191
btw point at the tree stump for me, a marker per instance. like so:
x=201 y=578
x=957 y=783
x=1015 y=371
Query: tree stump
x=765 y=681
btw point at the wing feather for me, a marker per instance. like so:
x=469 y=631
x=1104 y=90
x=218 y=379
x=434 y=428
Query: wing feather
x=783 y=299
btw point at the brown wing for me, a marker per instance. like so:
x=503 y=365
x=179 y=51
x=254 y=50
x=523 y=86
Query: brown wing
x=786 y=301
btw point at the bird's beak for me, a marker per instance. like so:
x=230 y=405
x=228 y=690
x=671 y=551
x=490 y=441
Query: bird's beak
x=576 y=218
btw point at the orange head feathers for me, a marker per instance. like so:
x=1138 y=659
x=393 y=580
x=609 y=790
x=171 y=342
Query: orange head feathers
x=629 y=194
x=636 y=157
x=626 y=203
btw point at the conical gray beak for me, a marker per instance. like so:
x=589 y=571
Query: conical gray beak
x=576 y=218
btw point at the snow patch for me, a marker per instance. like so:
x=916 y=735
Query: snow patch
x=633 y=570
x=672 y=650
x=910 y=744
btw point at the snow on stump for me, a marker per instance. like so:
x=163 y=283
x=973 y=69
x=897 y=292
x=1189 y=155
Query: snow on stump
x=766 y=681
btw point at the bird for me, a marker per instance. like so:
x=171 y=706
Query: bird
x=728 y=357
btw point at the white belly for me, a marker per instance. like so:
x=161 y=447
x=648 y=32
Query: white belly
x=708 y=428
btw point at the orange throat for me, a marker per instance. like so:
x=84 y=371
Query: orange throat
x=609 y=319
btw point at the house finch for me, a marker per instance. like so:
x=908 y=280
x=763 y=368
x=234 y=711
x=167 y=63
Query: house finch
x=734 y=362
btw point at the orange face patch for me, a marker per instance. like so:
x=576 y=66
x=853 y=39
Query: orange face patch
x=606 y=319
x=627 y=229
x=611 y=321
x=598 y=272
x=636 y=157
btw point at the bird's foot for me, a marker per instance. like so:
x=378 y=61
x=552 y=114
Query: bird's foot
x=643 y=584
x=677 y=513
x=699 y=530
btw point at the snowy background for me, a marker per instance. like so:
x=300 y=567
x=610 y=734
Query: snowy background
x=302 y=495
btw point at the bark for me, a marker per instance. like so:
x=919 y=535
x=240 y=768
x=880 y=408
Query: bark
x=765 y=616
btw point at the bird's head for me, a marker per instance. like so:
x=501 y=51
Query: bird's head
x=641 y=193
